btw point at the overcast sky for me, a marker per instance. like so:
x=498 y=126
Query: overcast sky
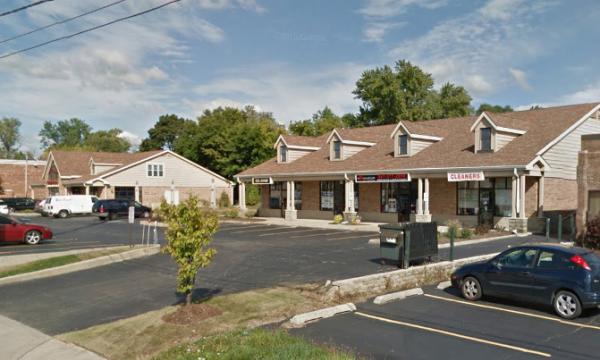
x=287 y=57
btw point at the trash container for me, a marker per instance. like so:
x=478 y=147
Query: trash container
x=408 y=242
x=391 y=238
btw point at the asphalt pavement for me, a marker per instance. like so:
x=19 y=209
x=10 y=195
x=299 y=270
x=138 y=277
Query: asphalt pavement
x=441 y=325
x=248 y=256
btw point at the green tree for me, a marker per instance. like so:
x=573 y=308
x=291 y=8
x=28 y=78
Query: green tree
x=302 y=128
x=323 y=121
x=454 y=101
x=9 y=136
x=65 y=133
x=189 y=232
x=164 y=134
x=493 y=108
x=229 y=140
x=107 y=140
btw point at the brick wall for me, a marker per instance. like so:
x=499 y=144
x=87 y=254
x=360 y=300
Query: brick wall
x=531 y=195
x=560 y=194
x=588 y=179
x=442 y=197
x=13 y=179
x=310 y=195
x=369 y=198
x=153 y=196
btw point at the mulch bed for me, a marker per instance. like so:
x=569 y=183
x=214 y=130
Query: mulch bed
x=189 y=314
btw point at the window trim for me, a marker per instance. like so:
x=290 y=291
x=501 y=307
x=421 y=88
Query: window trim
x=491 y=136
x=321 y=196
x=407 y=152
x=283 y=153
x=161 y=168
x=493 y=188
x=339 y=152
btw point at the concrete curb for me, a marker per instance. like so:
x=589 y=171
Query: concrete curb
x=302 y=319
x=375 y=241
x=82 y=265
x=444 y=284
x=14 y=260
x=400 y=295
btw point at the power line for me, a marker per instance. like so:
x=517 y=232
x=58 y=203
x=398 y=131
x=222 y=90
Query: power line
x=24 y=7
x=88 y=29
x=61 y=21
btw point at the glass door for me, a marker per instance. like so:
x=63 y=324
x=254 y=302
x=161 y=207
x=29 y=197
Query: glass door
x=339 y=197
x=486 y=207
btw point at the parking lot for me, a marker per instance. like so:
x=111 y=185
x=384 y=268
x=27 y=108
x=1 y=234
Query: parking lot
x=249 y=256
x=440 y=324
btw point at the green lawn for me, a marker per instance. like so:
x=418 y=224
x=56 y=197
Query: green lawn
x=254 y=344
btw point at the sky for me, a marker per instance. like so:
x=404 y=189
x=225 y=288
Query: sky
x=287 y=57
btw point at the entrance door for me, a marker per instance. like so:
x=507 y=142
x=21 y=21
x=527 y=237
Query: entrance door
x=339 y=197
x=486 y=207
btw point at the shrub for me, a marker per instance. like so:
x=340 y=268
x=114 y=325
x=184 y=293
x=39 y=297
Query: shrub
x=466 y=233
x=231 y=213
x=592 y=234
x=482 y=229
x=338 y=219
x=224 y=201
x=252 y=195
x=355 y=220
x=453 y=226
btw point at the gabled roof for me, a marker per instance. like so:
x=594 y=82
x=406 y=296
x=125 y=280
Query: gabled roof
x=419 y=131
x=499 y=122
x=300 y=141
x=358 y=136
x=455 y=150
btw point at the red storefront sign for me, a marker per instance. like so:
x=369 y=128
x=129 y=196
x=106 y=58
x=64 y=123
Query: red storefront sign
x=382 y=178
x=466 y=176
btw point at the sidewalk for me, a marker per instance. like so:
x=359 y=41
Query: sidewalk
x=19 y=341
x=312 y=223
x=7 y=261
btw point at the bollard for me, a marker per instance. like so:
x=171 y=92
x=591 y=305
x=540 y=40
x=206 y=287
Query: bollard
x=452 y=235
x=406 y=248
x=547 y=229
x=560 y=220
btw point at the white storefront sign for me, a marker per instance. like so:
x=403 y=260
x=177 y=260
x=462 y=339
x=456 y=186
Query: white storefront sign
x=466 y=176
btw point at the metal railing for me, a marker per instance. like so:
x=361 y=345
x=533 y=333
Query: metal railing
x=149 y=230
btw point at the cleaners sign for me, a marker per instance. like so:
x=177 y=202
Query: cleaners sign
x=466 y=176
x=382 y=178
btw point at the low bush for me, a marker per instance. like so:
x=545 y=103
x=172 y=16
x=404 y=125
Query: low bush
x=453 y=227
x=591 y=238
x=466 y=233
x=482 y=229
x=231 y=213
x=355 y=220
x=338 y=219
x=224 y=201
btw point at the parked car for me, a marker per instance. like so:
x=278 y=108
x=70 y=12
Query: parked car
x=39 y=206
x=568 y=278
x=3 y=208
x=19 y=203
x=65 y=206
x=111 y=209
x=15 y=230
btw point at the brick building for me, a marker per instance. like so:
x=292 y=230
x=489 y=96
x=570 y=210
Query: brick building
x=147 y=177
x=501 y=170
x=588 y=181
x=18 y=175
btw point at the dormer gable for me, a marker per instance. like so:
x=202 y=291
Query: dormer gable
x=100 y=167
x=490 y=135
x=288 y=150
x=341 y=149
x=407 y=143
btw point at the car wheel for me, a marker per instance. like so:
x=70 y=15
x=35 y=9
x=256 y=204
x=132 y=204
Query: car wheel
x=63 y=214
x=471 y=288
x=567 y=305
x=112 y=216
x=33 y=237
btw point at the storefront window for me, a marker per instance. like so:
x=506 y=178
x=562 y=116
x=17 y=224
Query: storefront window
x=503 y=197
x=397 y=198
x=356 y=197
x=298 y=195
x=468 y=198
x=327 y=195
x=276 y=193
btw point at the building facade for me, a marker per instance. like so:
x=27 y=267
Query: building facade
x=499 y=170
x=588 y=181
x=147 y=177
x=17 y=176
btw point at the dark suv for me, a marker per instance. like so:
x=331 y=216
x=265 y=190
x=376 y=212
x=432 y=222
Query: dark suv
x=111 y=209
x=19 y=203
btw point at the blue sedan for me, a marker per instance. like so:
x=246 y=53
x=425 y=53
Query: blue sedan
x=567 y=278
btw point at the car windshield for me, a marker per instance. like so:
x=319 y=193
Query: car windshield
x=12 y=219
x=592 y=258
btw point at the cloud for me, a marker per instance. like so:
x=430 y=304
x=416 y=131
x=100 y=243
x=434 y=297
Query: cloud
x=521 y=78
x=477 y=48
x=375 y=32
x=134 y=140
x=291 y=94
x=390 y=8
x=225 y=4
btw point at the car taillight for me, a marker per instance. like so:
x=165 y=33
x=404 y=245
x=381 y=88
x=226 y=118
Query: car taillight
x=581 y=262
x=101 y=208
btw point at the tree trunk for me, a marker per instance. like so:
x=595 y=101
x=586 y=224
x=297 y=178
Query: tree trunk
x=188 y=298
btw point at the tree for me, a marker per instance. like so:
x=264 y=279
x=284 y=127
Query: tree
x=323 y=121
x=164 y=134
x=189 y=232
x=229 y=140
x=405 y=93
x=107 y=140
x=493 y=108
x=65 y=133
x=9 y=136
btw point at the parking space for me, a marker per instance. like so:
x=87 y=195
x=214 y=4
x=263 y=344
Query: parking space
x=440 y=323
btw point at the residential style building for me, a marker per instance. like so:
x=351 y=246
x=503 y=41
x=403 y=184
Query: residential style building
x=502 y=170
x=17 y=176
x=147 y=177
x=588 y=181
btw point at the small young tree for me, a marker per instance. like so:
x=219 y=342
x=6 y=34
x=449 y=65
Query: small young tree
x=189 y=232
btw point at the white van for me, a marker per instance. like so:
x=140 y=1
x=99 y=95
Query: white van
x=64 y=206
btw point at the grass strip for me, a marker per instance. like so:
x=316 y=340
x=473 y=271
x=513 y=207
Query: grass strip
x=254 y=344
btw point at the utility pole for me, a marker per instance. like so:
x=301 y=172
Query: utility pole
x=26 y=170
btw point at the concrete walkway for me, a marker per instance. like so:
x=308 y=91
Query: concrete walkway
x=7 y=261
x=312 y=223
x=19 y=341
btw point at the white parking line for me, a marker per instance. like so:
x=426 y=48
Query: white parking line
x=304 y=236
x=516 y=312
x=268 y=227
x=242 y=227
x=278 y=232
x=348 y=237
x=456 y=335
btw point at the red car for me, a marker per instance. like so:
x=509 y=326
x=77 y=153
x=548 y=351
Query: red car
x=13 y=230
